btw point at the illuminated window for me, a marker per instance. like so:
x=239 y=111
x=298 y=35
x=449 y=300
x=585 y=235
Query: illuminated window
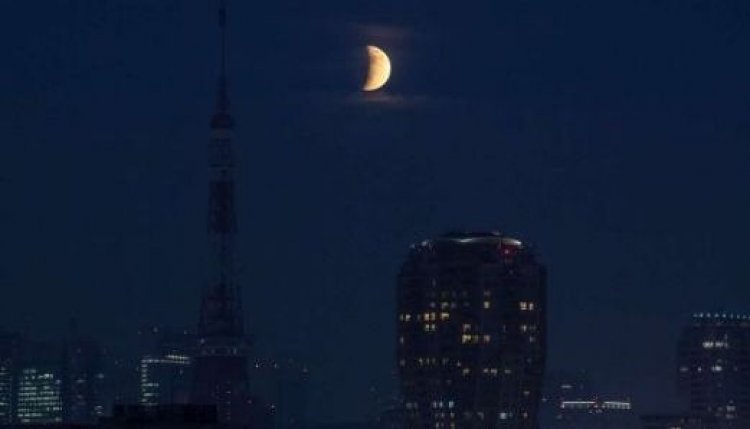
x=487 y=305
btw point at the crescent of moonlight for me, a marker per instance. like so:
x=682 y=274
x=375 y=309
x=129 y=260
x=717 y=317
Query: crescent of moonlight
x=379 y=69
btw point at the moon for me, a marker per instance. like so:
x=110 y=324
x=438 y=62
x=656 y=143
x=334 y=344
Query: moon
x=379 y=69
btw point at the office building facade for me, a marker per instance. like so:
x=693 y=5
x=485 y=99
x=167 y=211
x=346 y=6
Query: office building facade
x=39 y=399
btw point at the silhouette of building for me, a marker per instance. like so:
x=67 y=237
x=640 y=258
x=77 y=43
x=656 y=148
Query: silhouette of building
x=10 y=344
x=345 y=425
x=714 y=368
x=471 y=332
x=676 y=421
x=161 y=416
x=85 y=383
x=393 y=417
x=220 y=372
x=283 y=383
x=164 y=367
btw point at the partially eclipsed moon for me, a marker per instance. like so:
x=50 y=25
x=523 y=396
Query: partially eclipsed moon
x=379 y=69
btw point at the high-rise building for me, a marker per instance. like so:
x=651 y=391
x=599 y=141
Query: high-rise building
x=714 y=367
x=40 y=395
x=40 y=384
x=85 y=384
x=9 y=353
x=471 y=332
x=162 y=379
x=164 y=368
x=220 y=373
x=6 y=391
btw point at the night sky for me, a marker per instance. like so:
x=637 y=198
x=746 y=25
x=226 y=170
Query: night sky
x=614 y=136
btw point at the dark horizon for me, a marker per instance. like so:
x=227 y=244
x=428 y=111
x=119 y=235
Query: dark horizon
x=612 y=137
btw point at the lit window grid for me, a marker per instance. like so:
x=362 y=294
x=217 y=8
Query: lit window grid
x=39 y=396
x=150 y=386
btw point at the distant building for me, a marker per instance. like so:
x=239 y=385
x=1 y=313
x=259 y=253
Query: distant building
x=40 y=395
x=161 y=416
x=562 y=386
x=714 y=368
x=164 y=367
x=596 y=414
x=284 y=385
x=676 y=421
x=85 y=385
x=349 y=425
x=471 y=332
x=393 y=418
x=10 y=344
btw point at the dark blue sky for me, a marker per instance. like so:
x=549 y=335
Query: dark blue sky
x=612 y=135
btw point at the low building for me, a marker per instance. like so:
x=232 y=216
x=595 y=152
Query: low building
x=676 y=421
x=161 y=416
x=596 y=413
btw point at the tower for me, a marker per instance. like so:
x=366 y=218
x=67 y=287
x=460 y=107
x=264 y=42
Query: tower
x=220 y=373
x=471 y=333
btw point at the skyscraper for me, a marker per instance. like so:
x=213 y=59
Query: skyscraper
x=471 y=332
x=84 y=381
x=39 y=393
x=714 y=367
x=220 y=372
x=40 y=397
x=165 y=366
x=10 y=344
x=162 y=377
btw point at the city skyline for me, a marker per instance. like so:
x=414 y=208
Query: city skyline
x=618 y=153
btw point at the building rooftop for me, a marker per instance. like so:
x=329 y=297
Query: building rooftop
x=474 y=237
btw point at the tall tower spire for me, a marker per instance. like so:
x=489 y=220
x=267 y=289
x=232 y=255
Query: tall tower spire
x=222 y=118
x=220 y=372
